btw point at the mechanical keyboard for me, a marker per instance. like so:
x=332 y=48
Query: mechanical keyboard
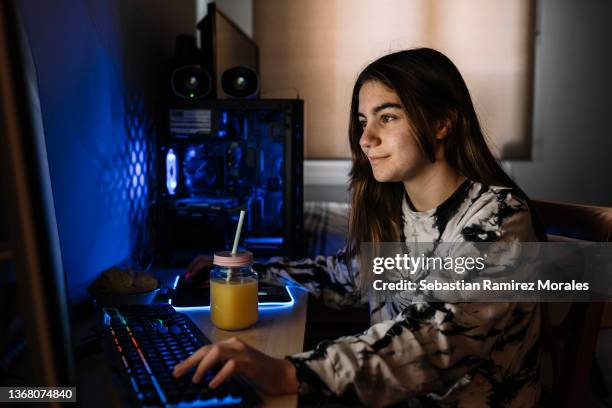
x=147 y=341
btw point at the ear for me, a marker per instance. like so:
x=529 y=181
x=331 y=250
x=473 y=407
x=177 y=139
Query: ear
x=445 y=126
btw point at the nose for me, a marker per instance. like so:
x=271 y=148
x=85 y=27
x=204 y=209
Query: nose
x=368 y=138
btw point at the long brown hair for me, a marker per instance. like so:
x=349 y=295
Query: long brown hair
x=431 y=90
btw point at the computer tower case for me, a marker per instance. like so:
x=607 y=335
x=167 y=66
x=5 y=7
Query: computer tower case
x=218 y=157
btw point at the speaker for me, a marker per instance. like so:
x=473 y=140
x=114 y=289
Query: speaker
x=228 y=52
x=189 y=78
x=191 y=82
x=240 y=82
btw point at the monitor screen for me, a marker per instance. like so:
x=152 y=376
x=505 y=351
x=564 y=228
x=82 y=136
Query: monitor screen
x=34 y=243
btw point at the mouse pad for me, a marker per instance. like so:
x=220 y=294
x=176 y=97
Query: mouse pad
x=269 y=295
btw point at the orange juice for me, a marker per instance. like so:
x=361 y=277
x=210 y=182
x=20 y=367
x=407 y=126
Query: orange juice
x=233 y=304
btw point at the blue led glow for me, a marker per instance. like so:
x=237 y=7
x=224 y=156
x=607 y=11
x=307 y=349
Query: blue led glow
x=212 y=402
x=263 y=240
x=224 y=118
x=171 y=172
x=279 y=208
x=109 y=129
x=161 y=394
x=222 y=133
x=262 y=307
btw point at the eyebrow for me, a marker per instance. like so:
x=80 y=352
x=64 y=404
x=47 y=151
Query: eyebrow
x=382 y=106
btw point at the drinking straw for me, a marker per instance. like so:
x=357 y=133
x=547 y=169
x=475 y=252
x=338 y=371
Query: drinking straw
x=236 y=239
x=238 y=231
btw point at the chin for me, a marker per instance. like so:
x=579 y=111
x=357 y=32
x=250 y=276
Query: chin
x=384 y=178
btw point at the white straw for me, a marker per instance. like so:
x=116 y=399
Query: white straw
x=238 y=231
x=236 y=239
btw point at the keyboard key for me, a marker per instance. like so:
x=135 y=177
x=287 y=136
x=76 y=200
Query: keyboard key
x=152 y=340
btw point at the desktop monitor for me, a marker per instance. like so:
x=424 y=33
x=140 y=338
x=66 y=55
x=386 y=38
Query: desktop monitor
x=34 y=241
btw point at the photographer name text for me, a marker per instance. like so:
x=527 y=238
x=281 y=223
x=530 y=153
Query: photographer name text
x=485 y=285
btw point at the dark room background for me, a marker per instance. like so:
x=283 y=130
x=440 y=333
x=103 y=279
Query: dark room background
x=99 y=65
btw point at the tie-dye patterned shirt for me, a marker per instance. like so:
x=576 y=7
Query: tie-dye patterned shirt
x=424 y=354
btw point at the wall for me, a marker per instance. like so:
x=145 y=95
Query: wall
x=240 y=11
x=315 y=45
x=572 y=131
x=98 y=66
x=573 y=85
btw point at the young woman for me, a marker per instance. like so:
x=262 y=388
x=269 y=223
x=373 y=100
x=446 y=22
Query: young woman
x=421 y=172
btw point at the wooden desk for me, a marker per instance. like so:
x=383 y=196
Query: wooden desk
x=277 y=333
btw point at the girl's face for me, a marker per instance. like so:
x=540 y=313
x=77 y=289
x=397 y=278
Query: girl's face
x=387 y=138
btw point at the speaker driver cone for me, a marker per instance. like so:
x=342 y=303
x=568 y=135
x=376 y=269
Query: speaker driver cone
x=191 y=82
x=240 y=82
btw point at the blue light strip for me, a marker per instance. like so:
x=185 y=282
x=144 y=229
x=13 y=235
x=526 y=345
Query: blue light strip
x=268 y=306
x=171 y=172
x=263 y=240
x=213 y=402
x=261 y=161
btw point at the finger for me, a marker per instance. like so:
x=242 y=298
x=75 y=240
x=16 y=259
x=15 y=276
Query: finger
x=191 y=361
x=209 y=361
x=194 y=265
x=224 y=374
x=235 y=344
x=198 y=264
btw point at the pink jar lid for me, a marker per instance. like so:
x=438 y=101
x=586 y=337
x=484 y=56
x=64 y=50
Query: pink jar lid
x=226 y=258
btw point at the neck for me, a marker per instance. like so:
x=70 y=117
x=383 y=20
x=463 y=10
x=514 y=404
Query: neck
x=433 y=186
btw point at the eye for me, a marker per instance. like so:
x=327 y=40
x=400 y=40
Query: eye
x=387 y=118
x=363 y=123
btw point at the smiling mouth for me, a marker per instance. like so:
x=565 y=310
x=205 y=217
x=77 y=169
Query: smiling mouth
x=376 y=159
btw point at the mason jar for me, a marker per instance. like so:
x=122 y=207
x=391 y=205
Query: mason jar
x=233 y=291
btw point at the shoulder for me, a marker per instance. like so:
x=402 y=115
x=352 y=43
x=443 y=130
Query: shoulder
x=496 y=214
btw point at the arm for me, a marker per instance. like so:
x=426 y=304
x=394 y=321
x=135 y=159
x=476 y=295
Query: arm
x=426 y=349
x=433 y=347
x=327 y=277
x=429 y=348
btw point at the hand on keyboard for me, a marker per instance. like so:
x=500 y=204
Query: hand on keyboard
x=274 y=376
x=145 y=342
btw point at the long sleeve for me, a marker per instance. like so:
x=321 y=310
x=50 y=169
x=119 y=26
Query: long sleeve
x=327 y=277
x=468 y=354
x=427 y=349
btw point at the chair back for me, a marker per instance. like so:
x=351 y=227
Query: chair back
x=570 y=330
